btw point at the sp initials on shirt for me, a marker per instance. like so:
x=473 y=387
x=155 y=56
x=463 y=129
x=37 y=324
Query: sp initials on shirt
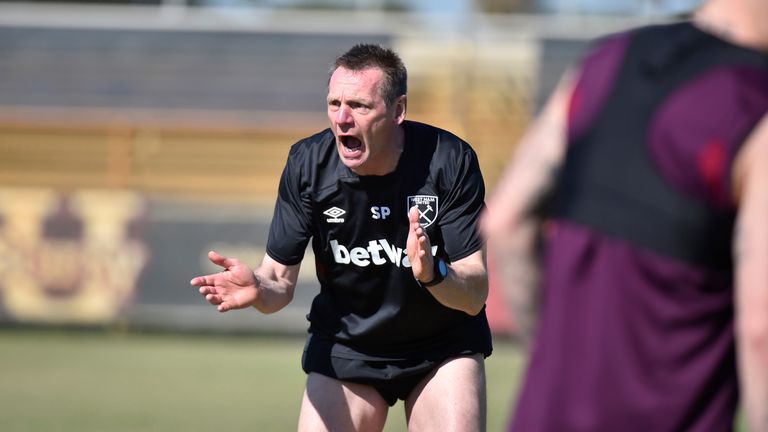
x=380 y=212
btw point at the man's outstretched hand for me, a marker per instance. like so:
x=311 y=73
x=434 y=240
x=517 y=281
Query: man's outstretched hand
x=419 y=248
x=236 y=287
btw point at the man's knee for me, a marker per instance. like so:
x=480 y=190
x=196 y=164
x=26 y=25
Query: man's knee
x=451 y=398
x=330 y=405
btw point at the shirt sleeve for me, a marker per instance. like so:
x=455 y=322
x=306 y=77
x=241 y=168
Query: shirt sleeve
x=462 y=208
x=290 y=230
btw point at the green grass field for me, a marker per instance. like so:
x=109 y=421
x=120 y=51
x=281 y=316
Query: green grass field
x=121 y=381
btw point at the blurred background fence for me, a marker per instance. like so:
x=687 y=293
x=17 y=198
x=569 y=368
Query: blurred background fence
x=135 y=137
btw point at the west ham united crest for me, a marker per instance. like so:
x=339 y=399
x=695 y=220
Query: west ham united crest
x=427 y=205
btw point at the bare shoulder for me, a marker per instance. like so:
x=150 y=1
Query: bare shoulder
x=752 y=160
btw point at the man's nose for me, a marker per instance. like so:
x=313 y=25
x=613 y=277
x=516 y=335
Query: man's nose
x=344 y=116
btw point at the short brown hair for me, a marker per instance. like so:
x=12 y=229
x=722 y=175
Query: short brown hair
x=365 y=56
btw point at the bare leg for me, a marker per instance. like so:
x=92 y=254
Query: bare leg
x=451 y=398
x=331 y=405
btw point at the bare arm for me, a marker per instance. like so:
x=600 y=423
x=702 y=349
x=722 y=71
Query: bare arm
x=751 y=256
x=464 y=288
x=510 y=224
x=269 y=288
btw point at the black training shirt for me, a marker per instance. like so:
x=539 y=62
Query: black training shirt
x=369 y=303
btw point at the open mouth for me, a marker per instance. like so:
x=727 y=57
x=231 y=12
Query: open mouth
x=351 y=144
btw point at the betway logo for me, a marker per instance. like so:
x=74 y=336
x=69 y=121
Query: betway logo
x=378 y=252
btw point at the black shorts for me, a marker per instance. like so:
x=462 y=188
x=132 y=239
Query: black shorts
x=393 y=379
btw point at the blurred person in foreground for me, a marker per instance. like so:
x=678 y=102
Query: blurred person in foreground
x=392 y=208
x=651 y=159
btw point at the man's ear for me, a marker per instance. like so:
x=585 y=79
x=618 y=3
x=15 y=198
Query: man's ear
x=401 y=106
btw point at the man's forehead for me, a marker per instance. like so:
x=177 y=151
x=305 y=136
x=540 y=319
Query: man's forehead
x=366 y=71
x=355 y=82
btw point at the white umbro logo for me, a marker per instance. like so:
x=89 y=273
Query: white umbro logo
x=333 y=214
